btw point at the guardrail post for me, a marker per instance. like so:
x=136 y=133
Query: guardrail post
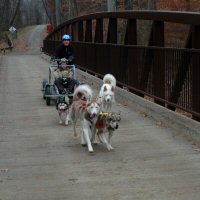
x=99 y=31
x=112 y=31
x=159 y=62
x=88 y=31
x=195 y=72
x=80 y=31
x=156 y=39
x=131 y=32
x=131 y=63
x=74 y=31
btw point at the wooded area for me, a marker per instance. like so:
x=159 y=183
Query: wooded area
x=19 y=13
x=28 y=12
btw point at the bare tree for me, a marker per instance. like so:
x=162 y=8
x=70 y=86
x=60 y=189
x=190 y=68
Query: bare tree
x=111 y=5
x=128 y=4
x=9 y=9
x=144 y=26
x=15 y=13
x=58 y=11
x=73 y=9
x=47 y=12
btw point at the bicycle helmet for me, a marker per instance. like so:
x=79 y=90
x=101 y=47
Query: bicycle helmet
x=66 y=37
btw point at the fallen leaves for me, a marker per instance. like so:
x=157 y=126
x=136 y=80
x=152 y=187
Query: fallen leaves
x=143 y=114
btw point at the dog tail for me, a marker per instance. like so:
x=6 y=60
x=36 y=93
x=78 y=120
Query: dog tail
x=109 y=79
x=83 y=92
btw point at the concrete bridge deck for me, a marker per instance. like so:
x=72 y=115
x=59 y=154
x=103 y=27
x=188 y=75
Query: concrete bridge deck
x=41 y=160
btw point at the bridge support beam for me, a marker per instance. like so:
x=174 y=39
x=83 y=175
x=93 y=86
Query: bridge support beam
x=195 y=63
x=112 y=31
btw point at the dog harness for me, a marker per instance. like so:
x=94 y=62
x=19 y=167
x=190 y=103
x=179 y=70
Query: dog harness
x=102 y=118
x=83 y=105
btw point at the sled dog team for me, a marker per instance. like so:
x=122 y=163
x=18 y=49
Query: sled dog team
x=91 y=112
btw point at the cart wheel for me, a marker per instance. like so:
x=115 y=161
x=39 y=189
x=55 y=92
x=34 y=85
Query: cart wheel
x=44 y=83
x=48 y=99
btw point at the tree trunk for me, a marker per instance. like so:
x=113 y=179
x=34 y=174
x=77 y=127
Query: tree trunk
x=46 y=10
x=128 y=4
x=111 y=5
x=73 y=9
x=15 y=13
x=58 y=11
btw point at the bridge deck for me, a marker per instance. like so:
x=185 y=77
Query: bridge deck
x=39 y=159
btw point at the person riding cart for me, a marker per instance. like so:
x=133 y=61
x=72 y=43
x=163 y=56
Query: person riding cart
x=65 y=49
x=64 y=78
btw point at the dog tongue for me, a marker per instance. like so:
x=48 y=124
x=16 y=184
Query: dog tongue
x=92 y=115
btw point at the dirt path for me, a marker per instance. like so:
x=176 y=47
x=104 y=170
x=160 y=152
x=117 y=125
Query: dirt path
x=29 y=39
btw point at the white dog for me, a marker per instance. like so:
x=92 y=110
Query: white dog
x=87 y=110
x=107 y=92
x=62 y=106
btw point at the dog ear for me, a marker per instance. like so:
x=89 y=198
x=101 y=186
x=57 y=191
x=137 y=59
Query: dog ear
x=79 y=95
x=112 y=88
x=99 y=100
x=105 y=88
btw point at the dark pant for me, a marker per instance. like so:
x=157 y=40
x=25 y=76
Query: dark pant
x=69 y=86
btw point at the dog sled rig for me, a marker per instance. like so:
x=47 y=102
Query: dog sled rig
x=49 y=89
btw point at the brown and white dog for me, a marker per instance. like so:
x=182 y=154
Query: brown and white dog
x=86 y=110
x=107 y=123
x=107 y=92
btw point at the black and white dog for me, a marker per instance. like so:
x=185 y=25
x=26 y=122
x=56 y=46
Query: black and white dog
x=62 y=106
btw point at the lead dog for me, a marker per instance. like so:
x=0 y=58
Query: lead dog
x=107 y=92
x=62 y=106
x=87 y=110
x=106 y=124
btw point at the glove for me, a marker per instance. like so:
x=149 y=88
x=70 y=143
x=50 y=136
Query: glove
x=64 y=81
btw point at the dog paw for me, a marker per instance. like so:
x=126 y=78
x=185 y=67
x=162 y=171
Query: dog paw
x=66 y=123
x=91 y=151
x=110 y=148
